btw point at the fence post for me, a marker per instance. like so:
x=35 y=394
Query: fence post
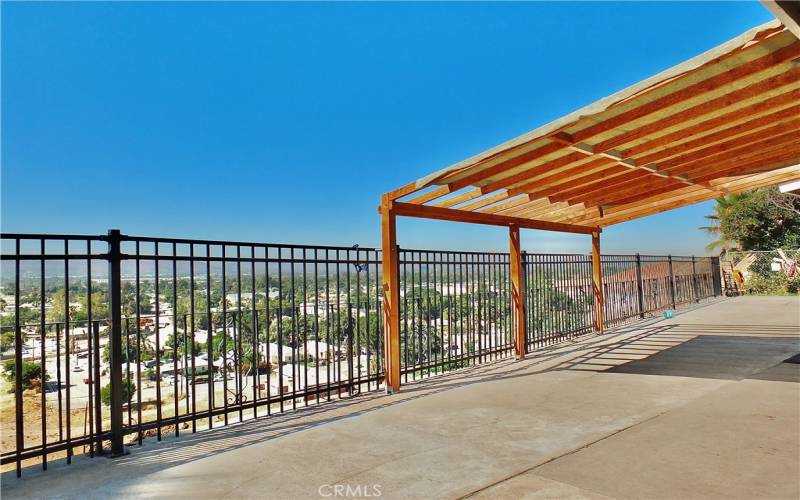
x=671 y=281
x=716 y=276
x=694 y=281
x=639 y=286
x=95 y=379
x=524 y=285
x=350 y=360
x=115 y=339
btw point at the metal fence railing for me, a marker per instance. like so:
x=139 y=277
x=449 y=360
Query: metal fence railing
x=637 y=285
x=207 y=333
x=455 y=310
x=559 y=298
x=107 y=340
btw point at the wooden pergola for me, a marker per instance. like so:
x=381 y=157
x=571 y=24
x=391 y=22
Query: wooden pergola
x=722 y=122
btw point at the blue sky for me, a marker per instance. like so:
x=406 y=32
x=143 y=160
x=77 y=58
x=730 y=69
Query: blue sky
x=285 y=122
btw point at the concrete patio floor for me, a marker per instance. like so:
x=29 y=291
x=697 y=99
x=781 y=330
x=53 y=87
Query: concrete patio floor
x=698 y=406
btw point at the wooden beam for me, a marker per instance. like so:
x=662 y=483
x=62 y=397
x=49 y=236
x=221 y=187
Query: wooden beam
x=774 y=146
x=487 y=204
x=517 y=291
x=747 y=69
x=391 y=296
x=682 y=202
x=597 y=284
x=461 y=198
x=600 y=185
x=512 y=206
x=621 y=187
x=779 y=134
x=704 y=108
x=518 y=209
x=695 y=193
x=567 y=190
x=787 y=11
x=737 y=136
x=685 y=196
x=763 y=125
x=552 y=210
x=635 y=192
x=600 y=174
x=588 y=166
x=409 y=188
x=757 y=111
x=752 y=165
x=450 y=214
x=481 y=175
x=528 y=174
x=579 y=181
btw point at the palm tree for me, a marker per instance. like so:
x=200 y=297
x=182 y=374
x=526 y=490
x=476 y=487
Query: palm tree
x=722 y=242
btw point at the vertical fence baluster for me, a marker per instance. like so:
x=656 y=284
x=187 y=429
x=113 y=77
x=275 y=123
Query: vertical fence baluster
x=639 y=285
x=671 y=281
x=115 y=339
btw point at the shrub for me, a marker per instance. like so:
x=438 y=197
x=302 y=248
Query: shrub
x=6 y=340
x=775 y=283
x=128 y=389
x=30 y=371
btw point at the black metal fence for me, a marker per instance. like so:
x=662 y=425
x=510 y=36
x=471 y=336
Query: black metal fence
x=197 y=334
x=455 y=310
x=559 y=297
x=637 y=285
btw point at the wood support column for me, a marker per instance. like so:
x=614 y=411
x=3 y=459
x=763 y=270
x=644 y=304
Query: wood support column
x=391 y=296
x=597 y=281
x=517 y=291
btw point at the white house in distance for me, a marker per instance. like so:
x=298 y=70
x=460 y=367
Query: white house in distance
x=320 y=351
x=276 y=354
x=301 y=377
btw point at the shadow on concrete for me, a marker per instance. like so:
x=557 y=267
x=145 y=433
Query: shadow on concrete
x=715 y=356
x=153 y=455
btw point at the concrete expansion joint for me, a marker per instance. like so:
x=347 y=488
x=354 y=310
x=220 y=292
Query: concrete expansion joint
x=557 y=457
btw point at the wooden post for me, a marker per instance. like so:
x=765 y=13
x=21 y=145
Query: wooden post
x=597 y=279
x=391 y=296
x=517 y=291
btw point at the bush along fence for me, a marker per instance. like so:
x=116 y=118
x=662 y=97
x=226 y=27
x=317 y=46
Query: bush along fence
x=109 y=339
x=761 y=272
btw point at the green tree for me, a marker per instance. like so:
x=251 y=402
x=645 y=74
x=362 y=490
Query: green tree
x=30 y=371
x=128 y=390
x=58 y=306
x=6 y=340
x=99 y=305
x=148 y=350
x=764 y=219
x=723 y=206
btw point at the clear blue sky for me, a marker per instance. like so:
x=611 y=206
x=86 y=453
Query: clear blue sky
x=285 y=122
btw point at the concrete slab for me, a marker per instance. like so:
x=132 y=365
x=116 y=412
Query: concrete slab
x=660 y=408
x=739 y=441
